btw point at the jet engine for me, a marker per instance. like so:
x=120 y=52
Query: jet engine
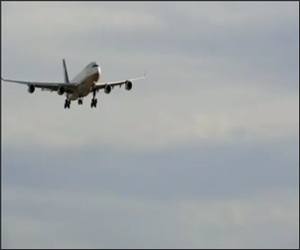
x=107 y=89
x=31 y=89
x=61 y=91
x=128 y=85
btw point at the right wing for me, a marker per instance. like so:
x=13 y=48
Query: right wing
x=102 y=85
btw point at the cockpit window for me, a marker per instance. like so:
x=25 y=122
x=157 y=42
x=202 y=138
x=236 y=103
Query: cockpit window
x=95 y=65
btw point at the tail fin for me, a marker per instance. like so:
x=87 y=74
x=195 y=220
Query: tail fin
x=65 y=72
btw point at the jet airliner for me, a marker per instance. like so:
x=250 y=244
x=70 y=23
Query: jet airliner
x=83 y=84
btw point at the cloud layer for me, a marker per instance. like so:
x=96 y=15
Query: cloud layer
x=202 y=154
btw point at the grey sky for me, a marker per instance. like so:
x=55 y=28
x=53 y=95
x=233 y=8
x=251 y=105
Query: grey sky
x=203 y=153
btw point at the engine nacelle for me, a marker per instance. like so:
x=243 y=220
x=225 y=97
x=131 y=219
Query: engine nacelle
x=31 y=89
x=128 y=85
x=107 y=89
x=61 y=91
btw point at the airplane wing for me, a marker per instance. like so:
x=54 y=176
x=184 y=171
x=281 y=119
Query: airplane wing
x=102 y=85
x=51 y=86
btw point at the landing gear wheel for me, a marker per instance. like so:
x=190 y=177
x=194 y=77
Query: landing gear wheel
x=67 y=104
x=94 y=103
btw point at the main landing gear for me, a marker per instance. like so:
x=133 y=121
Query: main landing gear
x=94 y=103
x=67 y=104
x=94 y=100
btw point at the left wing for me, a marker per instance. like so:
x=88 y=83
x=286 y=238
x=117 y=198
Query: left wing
x=103 y=85
x=52 y=86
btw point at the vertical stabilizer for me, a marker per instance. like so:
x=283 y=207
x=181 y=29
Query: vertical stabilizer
x=65 y=72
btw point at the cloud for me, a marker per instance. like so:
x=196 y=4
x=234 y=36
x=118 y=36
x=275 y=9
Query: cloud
x=206 y=169
x=204 y=153
x=99 y=220
x=159 y=121
x=91 y=15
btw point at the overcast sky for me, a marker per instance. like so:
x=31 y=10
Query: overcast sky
x=202 y=154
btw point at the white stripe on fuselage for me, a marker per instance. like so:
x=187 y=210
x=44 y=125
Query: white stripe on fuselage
x=85 y=80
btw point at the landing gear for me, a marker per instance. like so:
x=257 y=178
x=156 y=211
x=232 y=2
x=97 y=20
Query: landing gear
x=94 y=103
x=80 y=102
x=67 y=104
x=94 y=100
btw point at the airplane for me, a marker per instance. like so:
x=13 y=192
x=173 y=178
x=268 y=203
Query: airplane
x=83 y=84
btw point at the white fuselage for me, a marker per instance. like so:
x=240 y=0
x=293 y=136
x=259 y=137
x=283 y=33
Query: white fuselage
x=85 y=81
